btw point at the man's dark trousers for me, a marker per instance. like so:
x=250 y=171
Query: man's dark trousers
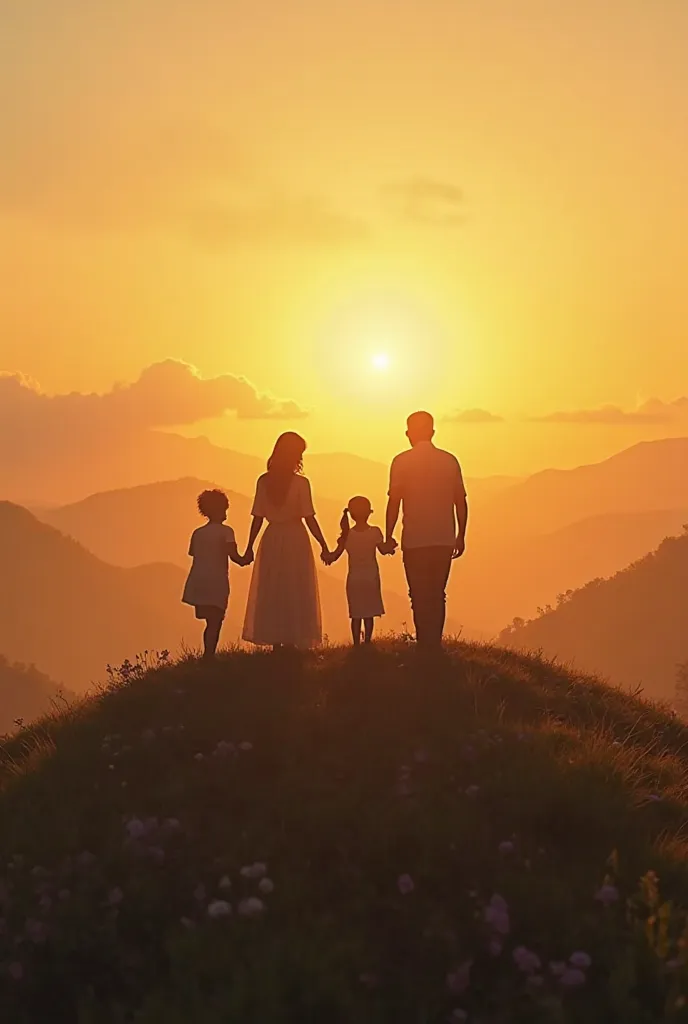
x=427 y=572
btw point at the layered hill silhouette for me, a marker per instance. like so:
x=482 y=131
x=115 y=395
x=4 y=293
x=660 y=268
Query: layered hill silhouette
x=630 y=628
x=70 y=613
x=560 y=528
x=26 y=694
x=260 y=841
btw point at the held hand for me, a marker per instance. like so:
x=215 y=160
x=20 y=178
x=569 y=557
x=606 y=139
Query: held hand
x=390 y=546
x=459 y=547
x=248 y=556
x=326 y=556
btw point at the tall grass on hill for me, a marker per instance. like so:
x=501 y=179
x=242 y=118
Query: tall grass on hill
x=346 y=837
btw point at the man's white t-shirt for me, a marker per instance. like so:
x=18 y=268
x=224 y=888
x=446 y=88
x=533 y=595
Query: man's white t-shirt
x=429 y=482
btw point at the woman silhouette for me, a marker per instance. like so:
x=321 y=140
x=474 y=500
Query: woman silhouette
x=283 y=607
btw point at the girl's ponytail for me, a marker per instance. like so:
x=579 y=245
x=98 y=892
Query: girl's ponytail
x=344 y=526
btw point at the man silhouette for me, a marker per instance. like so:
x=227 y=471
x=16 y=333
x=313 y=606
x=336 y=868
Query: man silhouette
x=427 y=481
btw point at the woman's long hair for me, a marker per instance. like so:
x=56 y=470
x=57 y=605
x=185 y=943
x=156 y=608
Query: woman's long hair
x=286 y=460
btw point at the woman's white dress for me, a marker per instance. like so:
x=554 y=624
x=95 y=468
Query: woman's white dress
x=283 y=601
x=363 y=589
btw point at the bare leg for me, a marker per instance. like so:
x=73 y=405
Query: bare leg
x=368 y=625
x=211 y=634
x=356 y=631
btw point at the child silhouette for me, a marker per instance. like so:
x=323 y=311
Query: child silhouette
x=361 y=543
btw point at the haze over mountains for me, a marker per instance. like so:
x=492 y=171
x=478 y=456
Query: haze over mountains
x=630 y=628
x=71 y=607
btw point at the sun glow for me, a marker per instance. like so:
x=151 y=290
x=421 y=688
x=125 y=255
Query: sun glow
x=380 y=361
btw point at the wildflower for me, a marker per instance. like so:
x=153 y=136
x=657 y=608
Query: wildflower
x=536 y=980
x=36 y=931
x=472 y=792
x=223 y=749
x=156 y=854
x=64 y=895
x=495 y=947
x=607 y=894
x=115 y=896
x=148 y=734
x=45 y=903
x=557 y=968
x=199 y=893
x=225 y=882
x=15 y=971
x=458 y=1015
x=219 y=908
x=572 y=977
x=198 y=757
x=251 y=907
x=496 y=915
x=420 y=756
x=506 y=847
x=172 y=825
x=654 y=798
x=254 y=871
x=246 y=746
x=135 y=828
x=580 y=959
x=186 y=922
x=85 y=859
x=405 y=884
x=459 y=979
x=266 y=886
x=368 y=980
x=526 y=960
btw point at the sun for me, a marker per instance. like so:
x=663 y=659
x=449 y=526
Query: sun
x=380 y=361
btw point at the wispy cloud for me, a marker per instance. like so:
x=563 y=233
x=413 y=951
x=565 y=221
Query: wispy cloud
x=654 y=411
x=189 y=179
x=477 y=416
x=426 y=201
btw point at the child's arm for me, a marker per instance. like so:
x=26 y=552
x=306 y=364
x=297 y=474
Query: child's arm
x=233 y=552
x=385 y=547
x=332 y=556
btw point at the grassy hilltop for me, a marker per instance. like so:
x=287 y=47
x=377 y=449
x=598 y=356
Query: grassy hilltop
x=347 y=838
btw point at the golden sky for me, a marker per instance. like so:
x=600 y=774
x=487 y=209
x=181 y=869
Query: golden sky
x=363 y=207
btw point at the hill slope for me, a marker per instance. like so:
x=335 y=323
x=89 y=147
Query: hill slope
x=261 y=841
x=69 y=613
x=650 y=475
x=630 y=628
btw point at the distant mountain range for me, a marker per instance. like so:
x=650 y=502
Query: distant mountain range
x=630 y=628
x=70 y=613
x=26 y=694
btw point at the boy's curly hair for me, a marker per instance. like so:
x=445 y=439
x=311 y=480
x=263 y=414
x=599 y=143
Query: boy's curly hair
x=212 y=501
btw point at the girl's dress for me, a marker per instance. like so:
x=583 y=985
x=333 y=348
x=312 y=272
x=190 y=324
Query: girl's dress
x=207 y=585
x=283 y=601
x=363 y=582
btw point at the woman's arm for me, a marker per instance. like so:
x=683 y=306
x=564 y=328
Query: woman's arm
x=314 y=527
x=337 y=553
x=256 y=527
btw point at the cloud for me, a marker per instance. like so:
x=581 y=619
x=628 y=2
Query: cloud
x=652 y=411
x=189 y=179
x=473 y=416
x=426 y=201
x=276 y=221
x=166 y=394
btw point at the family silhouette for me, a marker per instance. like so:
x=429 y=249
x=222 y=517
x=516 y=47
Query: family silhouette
x=283 y=609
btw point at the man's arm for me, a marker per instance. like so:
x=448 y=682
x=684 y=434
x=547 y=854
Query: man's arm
x=461 y=509
x=393 y=504
x=392 y=518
